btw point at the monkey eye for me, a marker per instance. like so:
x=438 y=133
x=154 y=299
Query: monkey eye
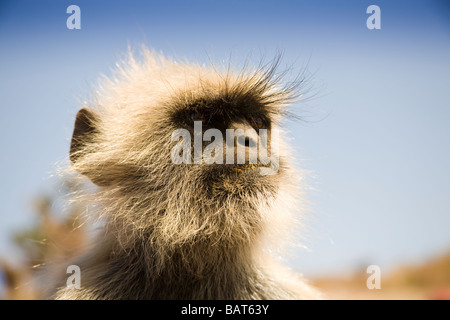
x=256 y=122
x=198 y=116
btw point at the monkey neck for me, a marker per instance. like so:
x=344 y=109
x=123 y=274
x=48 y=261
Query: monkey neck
x=170 y=254
x=199 y=270
x=198 y=258
x=202 y=235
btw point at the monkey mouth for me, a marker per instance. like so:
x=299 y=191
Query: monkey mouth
x=240 y=168
x=245 y=168
x=237 y=170
x=237 y=181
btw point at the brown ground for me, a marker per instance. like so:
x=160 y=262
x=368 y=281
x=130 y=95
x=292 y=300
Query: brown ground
x=430 y=280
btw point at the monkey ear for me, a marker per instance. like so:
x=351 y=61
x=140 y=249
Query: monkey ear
x=84 y=129
x=82 y=132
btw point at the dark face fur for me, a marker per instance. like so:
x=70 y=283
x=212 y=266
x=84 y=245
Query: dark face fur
x=225 y=179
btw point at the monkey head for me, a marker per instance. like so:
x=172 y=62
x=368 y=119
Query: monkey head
x=155 y=111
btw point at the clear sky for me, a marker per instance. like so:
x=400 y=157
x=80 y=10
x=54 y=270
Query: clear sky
x=377 y=137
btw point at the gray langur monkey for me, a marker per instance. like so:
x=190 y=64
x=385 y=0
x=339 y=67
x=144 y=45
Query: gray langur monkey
x=189 y=230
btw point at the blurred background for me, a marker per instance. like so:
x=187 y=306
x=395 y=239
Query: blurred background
x=374 y=139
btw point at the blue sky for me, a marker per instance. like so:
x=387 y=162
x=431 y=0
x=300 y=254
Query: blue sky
x=377 y=135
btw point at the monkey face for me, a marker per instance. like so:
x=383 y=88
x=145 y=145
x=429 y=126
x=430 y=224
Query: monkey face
x=228 y=145
x=186 y=153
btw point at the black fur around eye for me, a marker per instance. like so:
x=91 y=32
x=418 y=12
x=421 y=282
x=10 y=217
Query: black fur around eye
x=198 y=116
x=256 y=122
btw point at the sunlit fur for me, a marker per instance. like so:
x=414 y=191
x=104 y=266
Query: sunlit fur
x=189 y=231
